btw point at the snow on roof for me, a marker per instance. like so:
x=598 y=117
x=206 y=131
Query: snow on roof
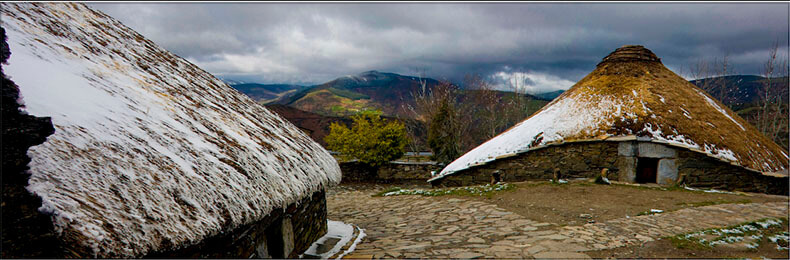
x=149 y=150
x=632 y=93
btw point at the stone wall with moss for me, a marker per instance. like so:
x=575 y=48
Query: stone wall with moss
x=389 y=173
x=284 y=233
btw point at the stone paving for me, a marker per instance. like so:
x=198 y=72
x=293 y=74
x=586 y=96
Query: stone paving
x=440 y=227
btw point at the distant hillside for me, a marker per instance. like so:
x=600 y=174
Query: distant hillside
x=265 y=92
x=350 y=94
x=742 y=91
x=550 y=95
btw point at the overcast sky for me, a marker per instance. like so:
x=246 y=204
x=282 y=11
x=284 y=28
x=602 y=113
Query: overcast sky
x=551 y=46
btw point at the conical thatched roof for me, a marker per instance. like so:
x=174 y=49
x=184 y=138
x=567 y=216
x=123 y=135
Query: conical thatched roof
x=150 y=152
x=630 y=93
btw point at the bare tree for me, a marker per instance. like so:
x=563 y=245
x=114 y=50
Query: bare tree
x=486 y=105
x=518 y=104
x=712 y=75
x=772 y=115
x=413 y=129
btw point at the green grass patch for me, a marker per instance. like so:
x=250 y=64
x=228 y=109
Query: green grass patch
x=487 y=190
x=348 y=94
x=337 y=109
x=682 y=242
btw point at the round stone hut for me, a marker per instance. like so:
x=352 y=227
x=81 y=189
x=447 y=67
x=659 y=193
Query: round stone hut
x=639 y=120
x=150 y=157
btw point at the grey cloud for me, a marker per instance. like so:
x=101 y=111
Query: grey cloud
x=312 y=43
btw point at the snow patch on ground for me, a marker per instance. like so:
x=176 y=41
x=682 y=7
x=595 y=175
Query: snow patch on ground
x=709 y=191
x=338 y=230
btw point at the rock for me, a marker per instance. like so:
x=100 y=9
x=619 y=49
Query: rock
x=528 y=228
x=535 y=249
x=476 y=240
x=643 y=238
x=563 y=255
x=467 y=255
x=555 y=237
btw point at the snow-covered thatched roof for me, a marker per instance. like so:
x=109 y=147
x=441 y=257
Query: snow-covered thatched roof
x=629 y=94
x=149 y=150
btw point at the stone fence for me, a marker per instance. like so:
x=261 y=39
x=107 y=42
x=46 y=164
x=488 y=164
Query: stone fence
x=395 y=171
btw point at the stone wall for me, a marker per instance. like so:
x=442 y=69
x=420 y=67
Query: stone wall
x=697 y=170
x=676 y=166
x=389 y=173
x=574 y=160
x=284 y=233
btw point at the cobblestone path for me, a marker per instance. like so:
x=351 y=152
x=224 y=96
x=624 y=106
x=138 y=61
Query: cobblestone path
x=439 y=227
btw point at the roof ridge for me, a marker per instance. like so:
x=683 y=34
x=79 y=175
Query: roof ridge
x=629 y=53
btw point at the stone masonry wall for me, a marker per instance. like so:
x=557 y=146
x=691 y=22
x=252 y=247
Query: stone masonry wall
x=574 y=160
x=298 y=225
x=389 y=173
x=697 y=170
x=309 y=222
x=587 y=159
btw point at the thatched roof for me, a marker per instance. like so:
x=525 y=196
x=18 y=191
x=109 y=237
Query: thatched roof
x=149 y=150
x=630 y=93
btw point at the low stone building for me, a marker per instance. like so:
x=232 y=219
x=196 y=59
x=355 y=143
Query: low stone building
x=150 y=155
x=639 y=120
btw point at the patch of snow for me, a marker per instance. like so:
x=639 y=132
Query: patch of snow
x=708 y=191
x=354 y=244
x=338 y=230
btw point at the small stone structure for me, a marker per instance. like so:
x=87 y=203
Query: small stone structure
x=395 y=171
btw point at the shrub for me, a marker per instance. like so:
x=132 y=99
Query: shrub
x=371 y=139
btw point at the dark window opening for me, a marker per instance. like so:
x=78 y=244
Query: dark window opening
x=646 y=170
x=274 y=240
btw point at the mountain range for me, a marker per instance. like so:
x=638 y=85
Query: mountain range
x=348 y=95
x=265 y=93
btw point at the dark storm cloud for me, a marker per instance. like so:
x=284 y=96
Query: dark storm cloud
x=552 y=45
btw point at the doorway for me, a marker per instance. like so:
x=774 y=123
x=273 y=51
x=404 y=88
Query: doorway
x=274 y=240
x=646 y=170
